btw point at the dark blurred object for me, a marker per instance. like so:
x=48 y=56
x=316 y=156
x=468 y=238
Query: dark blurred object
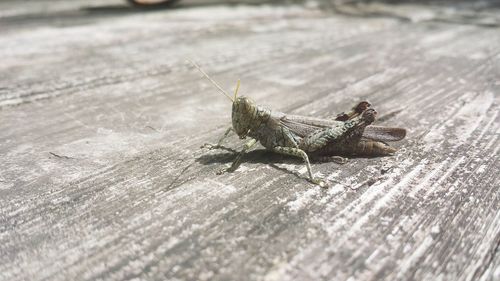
x=152 y=3
x=482 y=13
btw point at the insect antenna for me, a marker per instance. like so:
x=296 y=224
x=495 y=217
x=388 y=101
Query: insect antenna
x=211 y=80
x=237 y=88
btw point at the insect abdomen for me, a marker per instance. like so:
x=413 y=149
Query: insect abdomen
x=360 y=148
x=373 y=148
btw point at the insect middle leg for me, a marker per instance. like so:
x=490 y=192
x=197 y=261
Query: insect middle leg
x=336 y=159
x=237 y=161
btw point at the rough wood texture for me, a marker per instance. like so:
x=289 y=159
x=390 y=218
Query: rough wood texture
x=101 y=121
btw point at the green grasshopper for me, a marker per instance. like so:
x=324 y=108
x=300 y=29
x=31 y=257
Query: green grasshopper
x=349 y=134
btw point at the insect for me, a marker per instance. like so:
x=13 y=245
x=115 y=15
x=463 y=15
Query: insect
x=349 y=134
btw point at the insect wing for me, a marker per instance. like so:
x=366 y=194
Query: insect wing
x=387 y=134
x=303 y=125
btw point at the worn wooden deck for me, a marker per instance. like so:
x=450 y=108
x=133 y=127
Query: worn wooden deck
x=101 y=121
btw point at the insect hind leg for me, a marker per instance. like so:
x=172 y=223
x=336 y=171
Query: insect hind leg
x=297 y=152
x=354 y=112
x=347 y=131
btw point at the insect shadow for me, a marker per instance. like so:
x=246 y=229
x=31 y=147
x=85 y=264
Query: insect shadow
x=260 y=156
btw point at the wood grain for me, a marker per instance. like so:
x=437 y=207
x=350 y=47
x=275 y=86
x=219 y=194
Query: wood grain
x=101 y=122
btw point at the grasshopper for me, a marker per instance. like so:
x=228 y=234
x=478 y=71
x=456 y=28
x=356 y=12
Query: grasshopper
x=349 y=134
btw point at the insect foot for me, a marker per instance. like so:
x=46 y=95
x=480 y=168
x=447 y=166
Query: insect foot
x=210 y=146
x=222 y=171
x=337 y=159
x=320 y=182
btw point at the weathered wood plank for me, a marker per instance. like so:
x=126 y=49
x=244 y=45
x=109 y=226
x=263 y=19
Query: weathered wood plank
x=102 y=176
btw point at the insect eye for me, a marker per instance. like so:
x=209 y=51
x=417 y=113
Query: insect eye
x=248 y=106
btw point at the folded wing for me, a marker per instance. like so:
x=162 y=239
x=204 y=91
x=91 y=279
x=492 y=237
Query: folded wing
x=385 y=134
x=303 y=126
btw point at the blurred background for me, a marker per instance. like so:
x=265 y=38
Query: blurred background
x=482 y=12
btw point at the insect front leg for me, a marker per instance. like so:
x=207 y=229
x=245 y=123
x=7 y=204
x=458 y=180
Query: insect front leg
x=219 y=143
x=237 y=161
x=297 y=152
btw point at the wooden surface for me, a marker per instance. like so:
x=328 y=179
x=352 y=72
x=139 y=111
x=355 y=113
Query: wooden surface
x=101 y=121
